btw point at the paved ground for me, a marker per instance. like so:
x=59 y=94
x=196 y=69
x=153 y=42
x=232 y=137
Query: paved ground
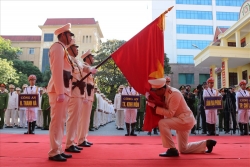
x=107 y=130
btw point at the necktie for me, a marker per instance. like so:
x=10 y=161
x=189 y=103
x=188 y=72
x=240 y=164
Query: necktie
x=244 y=91
x=31 y=87
x=130 y=89
x=212 y=90
x=11 y=93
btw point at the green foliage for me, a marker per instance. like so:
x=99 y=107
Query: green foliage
x=109 y=76
x=22 y=79
x=46 y=77
x=167 y=68
x=7 y=51
x=8 y=73
x=28 y=68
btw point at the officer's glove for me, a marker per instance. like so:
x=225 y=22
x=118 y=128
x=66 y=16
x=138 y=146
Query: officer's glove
x=93 y=70
x=60 y=98
x=147 y=95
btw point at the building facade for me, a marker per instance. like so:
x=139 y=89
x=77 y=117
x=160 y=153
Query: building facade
x=190 y=27
x=87 y=32
x=229 y=55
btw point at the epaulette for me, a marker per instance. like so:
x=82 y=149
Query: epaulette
x=169 y=91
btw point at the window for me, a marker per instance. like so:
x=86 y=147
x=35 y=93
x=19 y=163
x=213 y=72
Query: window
x=244 y=75
x=229 y=2
x=231 y=16
x=187 y=44
x=194 y=29
x=219 y=80
x=189 y=14
x=231 y=44
x=32 y=51
x=185 y=59
x=83 y=39
x=203 y=78
x=194 y=2
x=90 y=39
x=233 y=79
x=87 y=38
x=45 y=59
x=186 y=78
x=20 y=52
x=48 y=37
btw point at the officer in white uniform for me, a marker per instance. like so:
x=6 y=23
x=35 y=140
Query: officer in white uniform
x=18 y=91
x=12 y=107
x=243 y=117
x=97 y=115
x=59 y=91
x=130 y=113
x=39 y=122
x=211 y=115
x=119 y=111
x=31 y=112
x=179 y=117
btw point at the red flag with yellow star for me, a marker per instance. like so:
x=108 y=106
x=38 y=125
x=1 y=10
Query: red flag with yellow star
x=142 y=57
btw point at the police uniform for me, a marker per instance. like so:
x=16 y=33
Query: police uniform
x=97 y=115
x=119 y=111
x=177 y=116
x=140 y=113
x=3 y=105
x=130 y=113
x=46 y=111
x=243 y=117
x=59 y=90
x=39 y=122
x=211 y=115
x=84 y=118
x=12 y=106
x=22 y=111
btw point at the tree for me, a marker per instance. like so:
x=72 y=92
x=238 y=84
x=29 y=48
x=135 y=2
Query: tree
x=7 y=72
x=109 y=76
x=7 y=51
x=28 y=68
x=46 y=77
x=167 y=68
x=22 y=79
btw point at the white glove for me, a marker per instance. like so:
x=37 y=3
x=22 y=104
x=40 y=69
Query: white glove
x=151 y=104
x=147 y=95
x=93 y=70
x=60 y=98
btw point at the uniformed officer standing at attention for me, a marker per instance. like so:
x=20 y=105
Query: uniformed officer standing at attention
x=211 y=115
x=75 y=101
x=119 y=111
x=93 y=111
x=46 y=110
x=130 y=113
x=12 y=106
x=22 y=111
x=59 y=90
x=18 y=91
x=179 y=117
x=31 y=113
x=84 y=118
x=3 y=103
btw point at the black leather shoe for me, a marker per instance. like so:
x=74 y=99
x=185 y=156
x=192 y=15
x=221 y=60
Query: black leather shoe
x=210 y=144
x=91 y=129
x=57 y=157
x=84 y=144
x=89 y=143
x=72 y=149
x=79 y=148
x=66 y=155
x=172 y=152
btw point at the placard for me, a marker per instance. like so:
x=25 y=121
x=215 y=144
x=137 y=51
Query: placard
x=243 y=103
x=213 y=102
x=128 y=101
x=28 y=100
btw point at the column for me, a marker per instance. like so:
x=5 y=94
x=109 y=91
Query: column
x=237 y=39
x=224 y=73
x=223 y=42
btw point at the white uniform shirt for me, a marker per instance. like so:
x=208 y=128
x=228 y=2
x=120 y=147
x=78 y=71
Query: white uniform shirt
x=13 y=100
x=117 y=101
x=241 y=93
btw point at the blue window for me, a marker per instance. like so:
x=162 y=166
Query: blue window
x=192 y=44
x=189 y=14
x=194 y=2
x=186 y=78
x=229 y=2
x=203 y=78
x=45 y=61
x=231 y=16
x=185 y=59
x=48 y=37
x=194 y=29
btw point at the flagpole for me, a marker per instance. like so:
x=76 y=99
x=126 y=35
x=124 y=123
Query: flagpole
x=104 y=61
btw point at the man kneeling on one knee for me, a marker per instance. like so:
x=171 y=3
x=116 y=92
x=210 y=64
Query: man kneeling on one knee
x=179 y=117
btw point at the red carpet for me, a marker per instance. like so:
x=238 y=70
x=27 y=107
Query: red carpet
x=31 y=150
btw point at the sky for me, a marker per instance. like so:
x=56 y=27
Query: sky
x=117 y=19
